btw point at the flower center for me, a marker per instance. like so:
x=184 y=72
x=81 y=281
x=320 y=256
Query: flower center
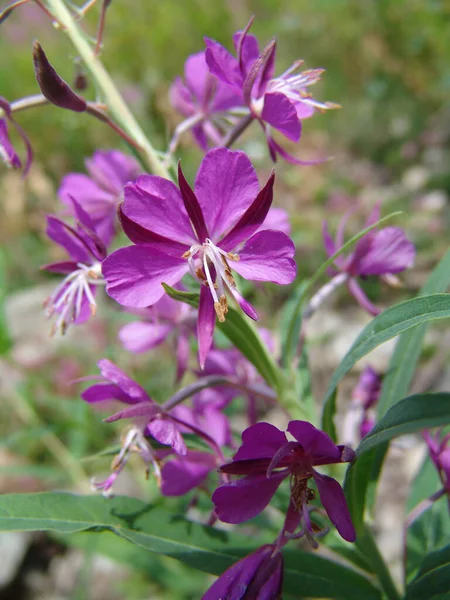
x=67 y=299
x=208 y=264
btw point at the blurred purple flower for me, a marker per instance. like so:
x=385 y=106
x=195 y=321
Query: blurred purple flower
x=205 y=101
x=383 y=252
x=360 y=417
x=258 y=575
x=100 y=192
x=439 y=451
x=266 y=458
x=279 y=102
x=74 y=298
x=167 y=318
x=8 y=153
x=206 y=233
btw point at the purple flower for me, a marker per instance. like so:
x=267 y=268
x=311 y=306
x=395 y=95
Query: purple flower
x=100 y=192
x=208 y=233
x=205 y=101
x=383 y=252
x=279 y=102
x=360 y=418
x=151 y=418
x=439 y=451
x=167 y=318
x=74 y=298
x=258 y=575
x=8 y=153
x=266 y=458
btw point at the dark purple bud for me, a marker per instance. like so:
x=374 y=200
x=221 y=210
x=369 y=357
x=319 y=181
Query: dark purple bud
x=55 y=89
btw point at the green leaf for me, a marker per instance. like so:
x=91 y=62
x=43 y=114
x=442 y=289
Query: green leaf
x=160 y=531
x=390 y=323
x=407 y=351
x=433 y=579
x=5 y=339
x=415 y=413
x=355 y=488
x=242 y=333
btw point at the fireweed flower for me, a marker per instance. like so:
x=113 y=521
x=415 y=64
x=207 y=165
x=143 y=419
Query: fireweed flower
x=206 y=233
x=207 y=103
x=8 y=153
x=258 y=575
x=73 y=301
x=276 y=102
x=383 y=252
x=165 y=319
x=266 y=458
x=439 y=451
x=100 y=192
x=360 y=417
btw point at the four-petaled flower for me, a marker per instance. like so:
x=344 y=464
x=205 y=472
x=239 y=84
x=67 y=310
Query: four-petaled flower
x=383 y=252
x=279 y=102
x=207 y=103
x=208 y=233
x=258 y=575
x=74 y=298
x=266 y=458
x=100 y=192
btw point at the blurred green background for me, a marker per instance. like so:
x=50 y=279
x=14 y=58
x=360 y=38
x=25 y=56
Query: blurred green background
x=387 y=63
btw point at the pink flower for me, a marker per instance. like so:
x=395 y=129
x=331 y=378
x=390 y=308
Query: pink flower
x=266 y=458
x=207 y=233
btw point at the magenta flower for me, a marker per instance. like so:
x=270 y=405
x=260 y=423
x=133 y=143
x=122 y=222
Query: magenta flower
x=360 y=417
x=439 y=451
x=74 y=298
x=116 y=385
x=267 y=458
x=383 y=252
x=8 y=153
x=100 y=192
x=258 y=575
x=208 y=233
x=165 y=319
x=279 y=102
x=205 y=101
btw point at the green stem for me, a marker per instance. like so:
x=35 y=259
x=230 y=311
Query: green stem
x=112 y=97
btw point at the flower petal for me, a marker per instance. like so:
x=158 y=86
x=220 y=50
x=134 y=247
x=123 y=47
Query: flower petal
x=277 y=219
x=112 y=373
x=166 y=432
x=184 y=473
x=101 y=392
x=182 y=355
x=279 y=112
x=156 y=204
x=222 y=64
x=112 y=169
x=134 y=275
x=205 y=324
x=226 y=185
x=315 y=442
x=245 y=498
x=390 y=251
x=253 y=217
x=361 y=297
x=260 y=441
x=333 y=499
x=192 y=206
x=140 y=337
x=65 y=236
x=267 y=256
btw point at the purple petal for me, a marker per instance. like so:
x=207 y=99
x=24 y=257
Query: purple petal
x=134 y=275
x=247 y=49
x=198 y=78
x=315 y=442
x=390 y=252
x=182 y=474
x=205 y=324
x=166 y=432
x=156 y=204
x=65 y=236
x=277 y=219
x=222 y=64
x=112 y=169
x=215 y=423
x=275 y=148
x=192 y=207
x=63 y=267
x=111 y=372
x=260 y=441
x=267 y=256
x=244 y=305
x=101 y=392
x=140 y=337
x=361 y=297
x=333 y=500
x=143 y=409
x=181 y=98
x=328 y=242
x=7 y=152
x=182 y=355
x=253 y=217
x=280 y=113
x=245 y=498
x=226 y=185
